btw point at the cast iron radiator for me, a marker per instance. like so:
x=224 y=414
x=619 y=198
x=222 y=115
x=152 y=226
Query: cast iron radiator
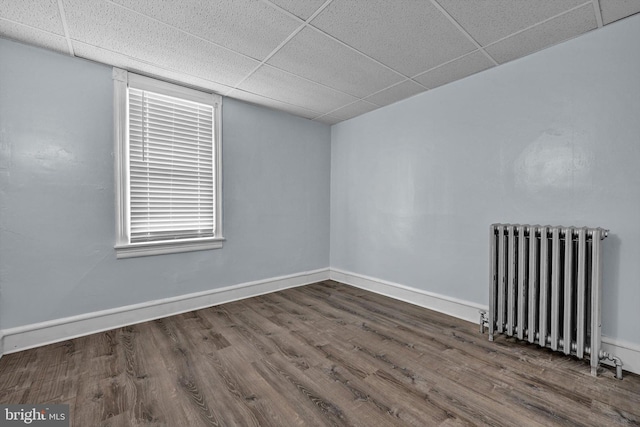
x=546 y=287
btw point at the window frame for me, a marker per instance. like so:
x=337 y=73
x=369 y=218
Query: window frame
x=122 y=79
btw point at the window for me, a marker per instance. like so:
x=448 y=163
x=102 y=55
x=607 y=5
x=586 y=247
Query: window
x=168 y=167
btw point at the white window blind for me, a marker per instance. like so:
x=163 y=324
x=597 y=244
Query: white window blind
x=171 y=168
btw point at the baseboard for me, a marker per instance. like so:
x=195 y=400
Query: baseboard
x=444 y=304
x=38 y=334
x=34 y=335
x=629 y=353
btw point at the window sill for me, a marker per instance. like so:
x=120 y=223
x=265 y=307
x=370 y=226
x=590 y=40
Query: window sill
x=134 y=250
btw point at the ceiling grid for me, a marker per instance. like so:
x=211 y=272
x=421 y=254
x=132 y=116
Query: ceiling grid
x=324 y=60
x=65 y=27
x=459 y=27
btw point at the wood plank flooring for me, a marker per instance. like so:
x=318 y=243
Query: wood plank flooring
x=326 y=354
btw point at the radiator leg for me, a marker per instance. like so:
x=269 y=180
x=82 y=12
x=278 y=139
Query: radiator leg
x=484 y=320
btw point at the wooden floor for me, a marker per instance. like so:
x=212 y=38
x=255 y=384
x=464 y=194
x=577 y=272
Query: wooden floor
x=324 y=354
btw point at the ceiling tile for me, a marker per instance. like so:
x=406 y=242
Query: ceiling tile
x=612 y=10
x=32 y=36
x=277 y=84
x=113 y=28
x=41 y=14
x=278 y=105
x=328 y=120
x=490 y=20
x=407 y=35
x=250 y=27
x=454 y=70
x=97 y=54
x=301 y=8
x=396 y=93
x=313 y=55
x=353 y=110
x=544 y=35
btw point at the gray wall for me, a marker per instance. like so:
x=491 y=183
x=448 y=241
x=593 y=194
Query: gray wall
x=552 y=138
x=57 y=196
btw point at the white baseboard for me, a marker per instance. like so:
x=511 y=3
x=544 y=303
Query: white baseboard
x=452 y=306
x=629 y=353
x=38 y=334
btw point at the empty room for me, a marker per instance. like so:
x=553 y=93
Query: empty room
x=319 y=212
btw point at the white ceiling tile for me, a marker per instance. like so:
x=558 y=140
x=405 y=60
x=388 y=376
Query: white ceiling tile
x=250 y=27
x=455 y=70
x=113 y=28
x=41 y=14
x=544 y=35
x=216 y=44
x=353 y=110
x=97 y=54
x=277 y=84
x=612 y=10
x=328 y=120
x=278 y=105
x=301 y=8
x=313 y=55
x=29 y=35
x=407 y=35
x=490 y=20
x=396 y=93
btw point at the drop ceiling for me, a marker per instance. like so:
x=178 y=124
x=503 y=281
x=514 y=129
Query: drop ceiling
x=325 y=60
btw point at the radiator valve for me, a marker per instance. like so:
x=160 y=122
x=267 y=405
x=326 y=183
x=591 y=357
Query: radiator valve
x=614 y=359
x=483 y=320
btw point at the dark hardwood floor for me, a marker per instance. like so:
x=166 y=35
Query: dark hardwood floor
x=323 y=354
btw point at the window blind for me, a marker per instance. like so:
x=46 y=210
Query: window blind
x=171 y=172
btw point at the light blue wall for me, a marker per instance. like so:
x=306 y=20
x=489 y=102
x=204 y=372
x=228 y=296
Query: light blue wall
x=552 y=138
x=57 y=196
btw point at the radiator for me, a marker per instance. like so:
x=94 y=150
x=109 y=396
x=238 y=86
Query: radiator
x=546 y=287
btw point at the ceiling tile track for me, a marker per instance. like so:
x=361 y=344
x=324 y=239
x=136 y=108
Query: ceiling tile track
x=63 y=17
x=540 y=23
x=598 y=11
